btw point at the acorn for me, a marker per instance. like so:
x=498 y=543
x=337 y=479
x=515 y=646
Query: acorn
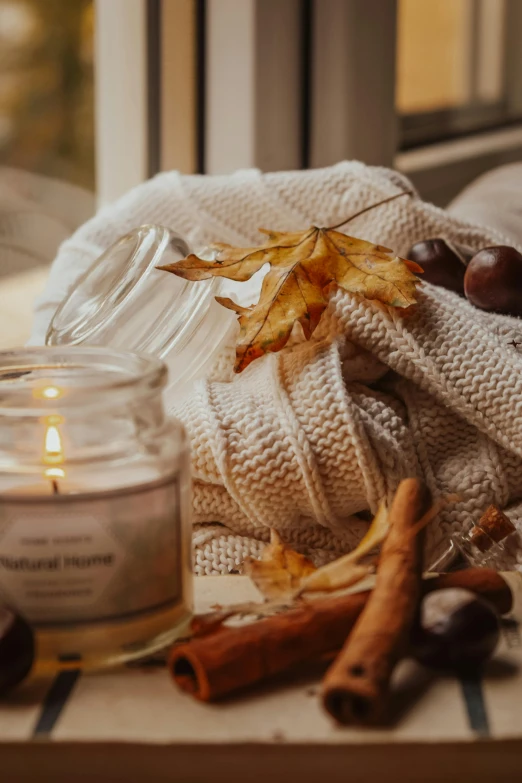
x=493 y=280
x=443 y=263
x=17 y=649
x=456 y=630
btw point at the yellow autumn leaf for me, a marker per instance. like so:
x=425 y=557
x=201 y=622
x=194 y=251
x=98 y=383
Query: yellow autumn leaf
x=279 y=571
x=305 y=267
x=347 y=571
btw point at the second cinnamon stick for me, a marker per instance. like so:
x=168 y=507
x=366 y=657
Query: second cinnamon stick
x=356 y=686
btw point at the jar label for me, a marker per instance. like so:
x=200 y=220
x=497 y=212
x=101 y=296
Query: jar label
x=104 y=557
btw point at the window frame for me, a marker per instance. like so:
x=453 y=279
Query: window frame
x=142 y=94
x=425 y=128
x=121 y=97
x=479 y=116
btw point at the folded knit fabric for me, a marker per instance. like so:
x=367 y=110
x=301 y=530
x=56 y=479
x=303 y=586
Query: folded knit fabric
x=305 y=440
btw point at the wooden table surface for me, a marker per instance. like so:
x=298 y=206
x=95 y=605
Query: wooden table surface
x=133 y=725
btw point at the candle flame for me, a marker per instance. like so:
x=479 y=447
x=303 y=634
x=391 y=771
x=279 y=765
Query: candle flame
x=53 y=448
x=53 y=442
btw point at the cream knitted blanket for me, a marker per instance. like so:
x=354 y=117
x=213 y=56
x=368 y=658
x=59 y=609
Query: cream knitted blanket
x=307 y=439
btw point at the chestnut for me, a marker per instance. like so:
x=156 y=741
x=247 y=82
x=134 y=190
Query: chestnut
x=16 y=649
x=455 y=630
x=443 y=263
x=493 y=280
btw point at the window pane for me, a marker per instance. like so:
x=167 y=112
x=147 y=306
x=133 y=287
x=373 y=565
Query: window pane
x=434 y=54
x=46 y=88
x=491 y=45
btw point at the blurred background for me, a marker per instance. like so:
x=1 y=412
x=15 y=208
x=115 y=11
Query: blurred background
x=98 y=95
x=47 y=88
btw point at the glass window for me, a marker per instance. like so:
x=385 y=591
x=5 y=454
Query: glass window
x=451 y=68
x=433 y=58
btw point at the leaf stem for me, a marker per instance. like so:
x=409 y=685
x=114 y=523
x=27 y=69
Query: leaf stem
x=372 y=206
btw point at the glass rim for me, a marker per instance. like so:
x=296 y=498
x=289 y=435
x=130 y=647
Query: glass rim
x=117 y=286
x=113 y=376
x=69 y=328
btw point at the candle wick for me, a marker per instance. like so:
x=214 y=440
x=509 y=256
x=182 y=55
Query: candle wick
x=55 y=486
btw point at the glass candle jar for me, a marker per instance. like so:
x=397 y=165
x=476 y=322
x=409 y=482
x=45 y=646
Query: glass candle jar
x=94 y=504
x=125 y=302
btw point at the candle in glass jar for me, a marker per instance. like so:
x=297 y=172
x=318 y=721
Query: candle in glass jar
x=94 y=505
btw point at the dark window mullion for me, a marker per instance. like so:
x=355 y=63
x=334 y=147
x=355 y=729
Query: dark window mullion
x=201 y=43
x=153 y=19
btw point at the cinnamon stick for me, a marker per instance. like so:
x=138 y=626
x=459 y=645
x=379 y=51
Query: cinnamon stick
x=214 y=666
x=356 y=686
x=229 y=659
x=484 y=582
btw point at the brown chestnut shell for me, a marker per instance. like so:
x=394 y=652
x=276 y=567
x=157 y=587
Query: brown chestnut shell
x=493 y=280
x=442 y=264
x=456 y=630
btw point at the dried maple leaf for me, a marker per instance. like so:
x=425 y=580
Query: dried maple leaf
x=304 y=268
x=280 y=570
x=347 y=571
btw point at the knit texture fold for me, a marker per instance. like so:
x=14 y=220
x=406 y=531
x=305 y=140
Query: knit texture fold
x=308 y=441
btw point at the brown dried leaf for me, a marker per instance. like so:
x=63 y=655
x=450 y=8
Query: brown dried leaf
x=347 y=571
x=338 y=577
x=304 y=267
x=280 y=570
x=282 y=575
